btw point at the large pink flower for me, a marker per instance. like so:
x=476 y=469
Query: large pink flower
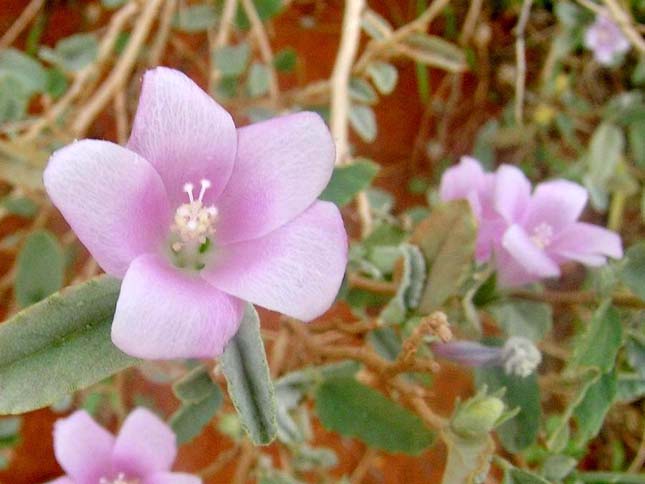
x=197 y=216
x=142 y=453
x=543 y=231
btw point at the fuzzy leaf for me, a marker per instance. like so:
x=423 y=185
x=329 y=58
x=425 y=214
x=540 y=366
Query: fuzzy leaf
x=58 y=346
x=354 y=410
x=348 y=180
x=468 y=460
x=384 y=76
x=632 y=273
x=363 y=121
x=40 y=268
x=447 y=240
x=520 y=317
x=249 y=384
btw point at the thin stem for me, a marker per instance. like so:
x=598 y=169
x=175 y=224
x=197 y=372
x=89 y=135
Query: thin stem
x=520 y=55
x=27 y=15
x=341 y=75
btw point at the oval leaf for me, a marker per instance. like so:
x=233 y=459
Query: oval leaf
x=249 y=384
x=354 y=410
x=58 y=346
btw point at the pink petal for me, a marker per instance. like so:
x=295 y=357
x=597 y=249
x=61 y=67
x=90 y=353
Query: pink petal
x=83 y=448
x=112 y=198
x=296 y=269
x=184 y=133
x=510 y=273
x=460 y=180
x=145 y=445
x=557 y=203
x=469 y=353
x=588 y=244
x=166 y=313
x=533 y=259
x=282 y=166
x=512 y=193
x=172 y=478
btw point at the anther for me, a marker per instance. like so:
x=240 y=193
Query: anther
x=188 y=188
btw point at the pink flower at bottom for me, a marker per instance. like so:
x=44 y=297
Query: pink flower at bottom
x=606 y=40
x=142 y=453
x=543 y=230
x=197 y=217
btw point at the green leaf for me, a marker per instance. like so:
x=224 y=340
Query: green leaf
x=285 y=60
x=363 y=120
x=112 y=4
x=632 y=272
x=201 y=398
x=194 y=385
x=257 y=83
x=72 y=53
x=434 y=51
x=447 y=240
x=636 y=354
x=13 y=98
x=361 y=91
x=10 y=431
x=408 y=294
x=354 y=410
x=232 y=60
x=605 y=151
x=590 y=412
x=601 y=341
x=520 y=431
x=249 y=384
x=32 y=76
x=637 y=141
x=266 y=9
x=349 y=180
x=520 y=317
x=195 y=18
x=630 y=387
x=386 y=342
x=375 y=26
x=40 y=268
x=557 y=467
x=513 y=475
x=468 y=460
x=384 y=76
x=58 y=346
x=610 y=478
x=56 y=82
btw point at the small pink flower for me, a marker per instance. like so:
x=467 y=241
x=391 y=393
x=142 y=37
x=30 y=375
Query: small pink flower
x=197 y=216
x=543 y=230
x=529 y=235
x=142 y=452
x=468 y=181
x=606 y=40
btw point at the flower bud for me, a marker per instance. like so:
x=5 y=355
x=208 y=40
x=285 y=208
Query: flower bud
x=478 y=416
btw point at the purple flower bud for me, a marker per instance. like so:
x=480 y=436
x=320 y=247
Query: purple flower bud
x=606 y=40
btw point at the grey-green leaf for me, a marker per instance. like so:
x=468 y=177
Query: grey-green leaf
x=632 y=273
x=384 y=76
x=520 y=431
x=468 y=460
x=72 y=53
x=249 y=384
x=58 y=346
x=447 y=240
x=348 y=180
x=600 y=343
x=354 y=410
x=519 y=317
x=363 y=120
x=195 y=18
x=40 y=268
x=232 y=60
x=32 y=76
x=257 y=83
x=191 y=418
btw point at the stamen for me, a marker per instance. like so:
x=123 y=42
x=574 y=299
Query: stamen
x=188 y=188
x=206 y=184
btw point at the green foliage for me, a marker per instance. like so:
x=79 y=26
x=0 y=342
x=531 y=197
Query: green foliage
x=195 y=18
x=285 y=60
x=601 y=341
x=200 y=398
x=408 y=294
x=519 y=317
x=354 y=410
x=249 y=383
x=72 y=53
x=232 y=60
x=513 y=475
x=257 y=82
x=13 y=98
x=361 y=91
x=605 y=151
x=266 y=10
x=520 y=431
x=632 y=272
x=58 y=346
x=40 y=268
x=447 y=240
x=31 y=76
x=384 y=76
x=349 y=180
x=363 y=121
x=468 y=458
x=434 y=51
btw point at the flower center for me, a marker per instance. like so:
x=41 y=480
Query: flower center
x=120 y=479
x=193 y=225
x=542 y=235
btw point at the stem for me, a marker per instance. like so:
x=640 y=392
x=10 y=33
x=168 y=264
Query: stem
x=520 y=79
x=21 y=23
